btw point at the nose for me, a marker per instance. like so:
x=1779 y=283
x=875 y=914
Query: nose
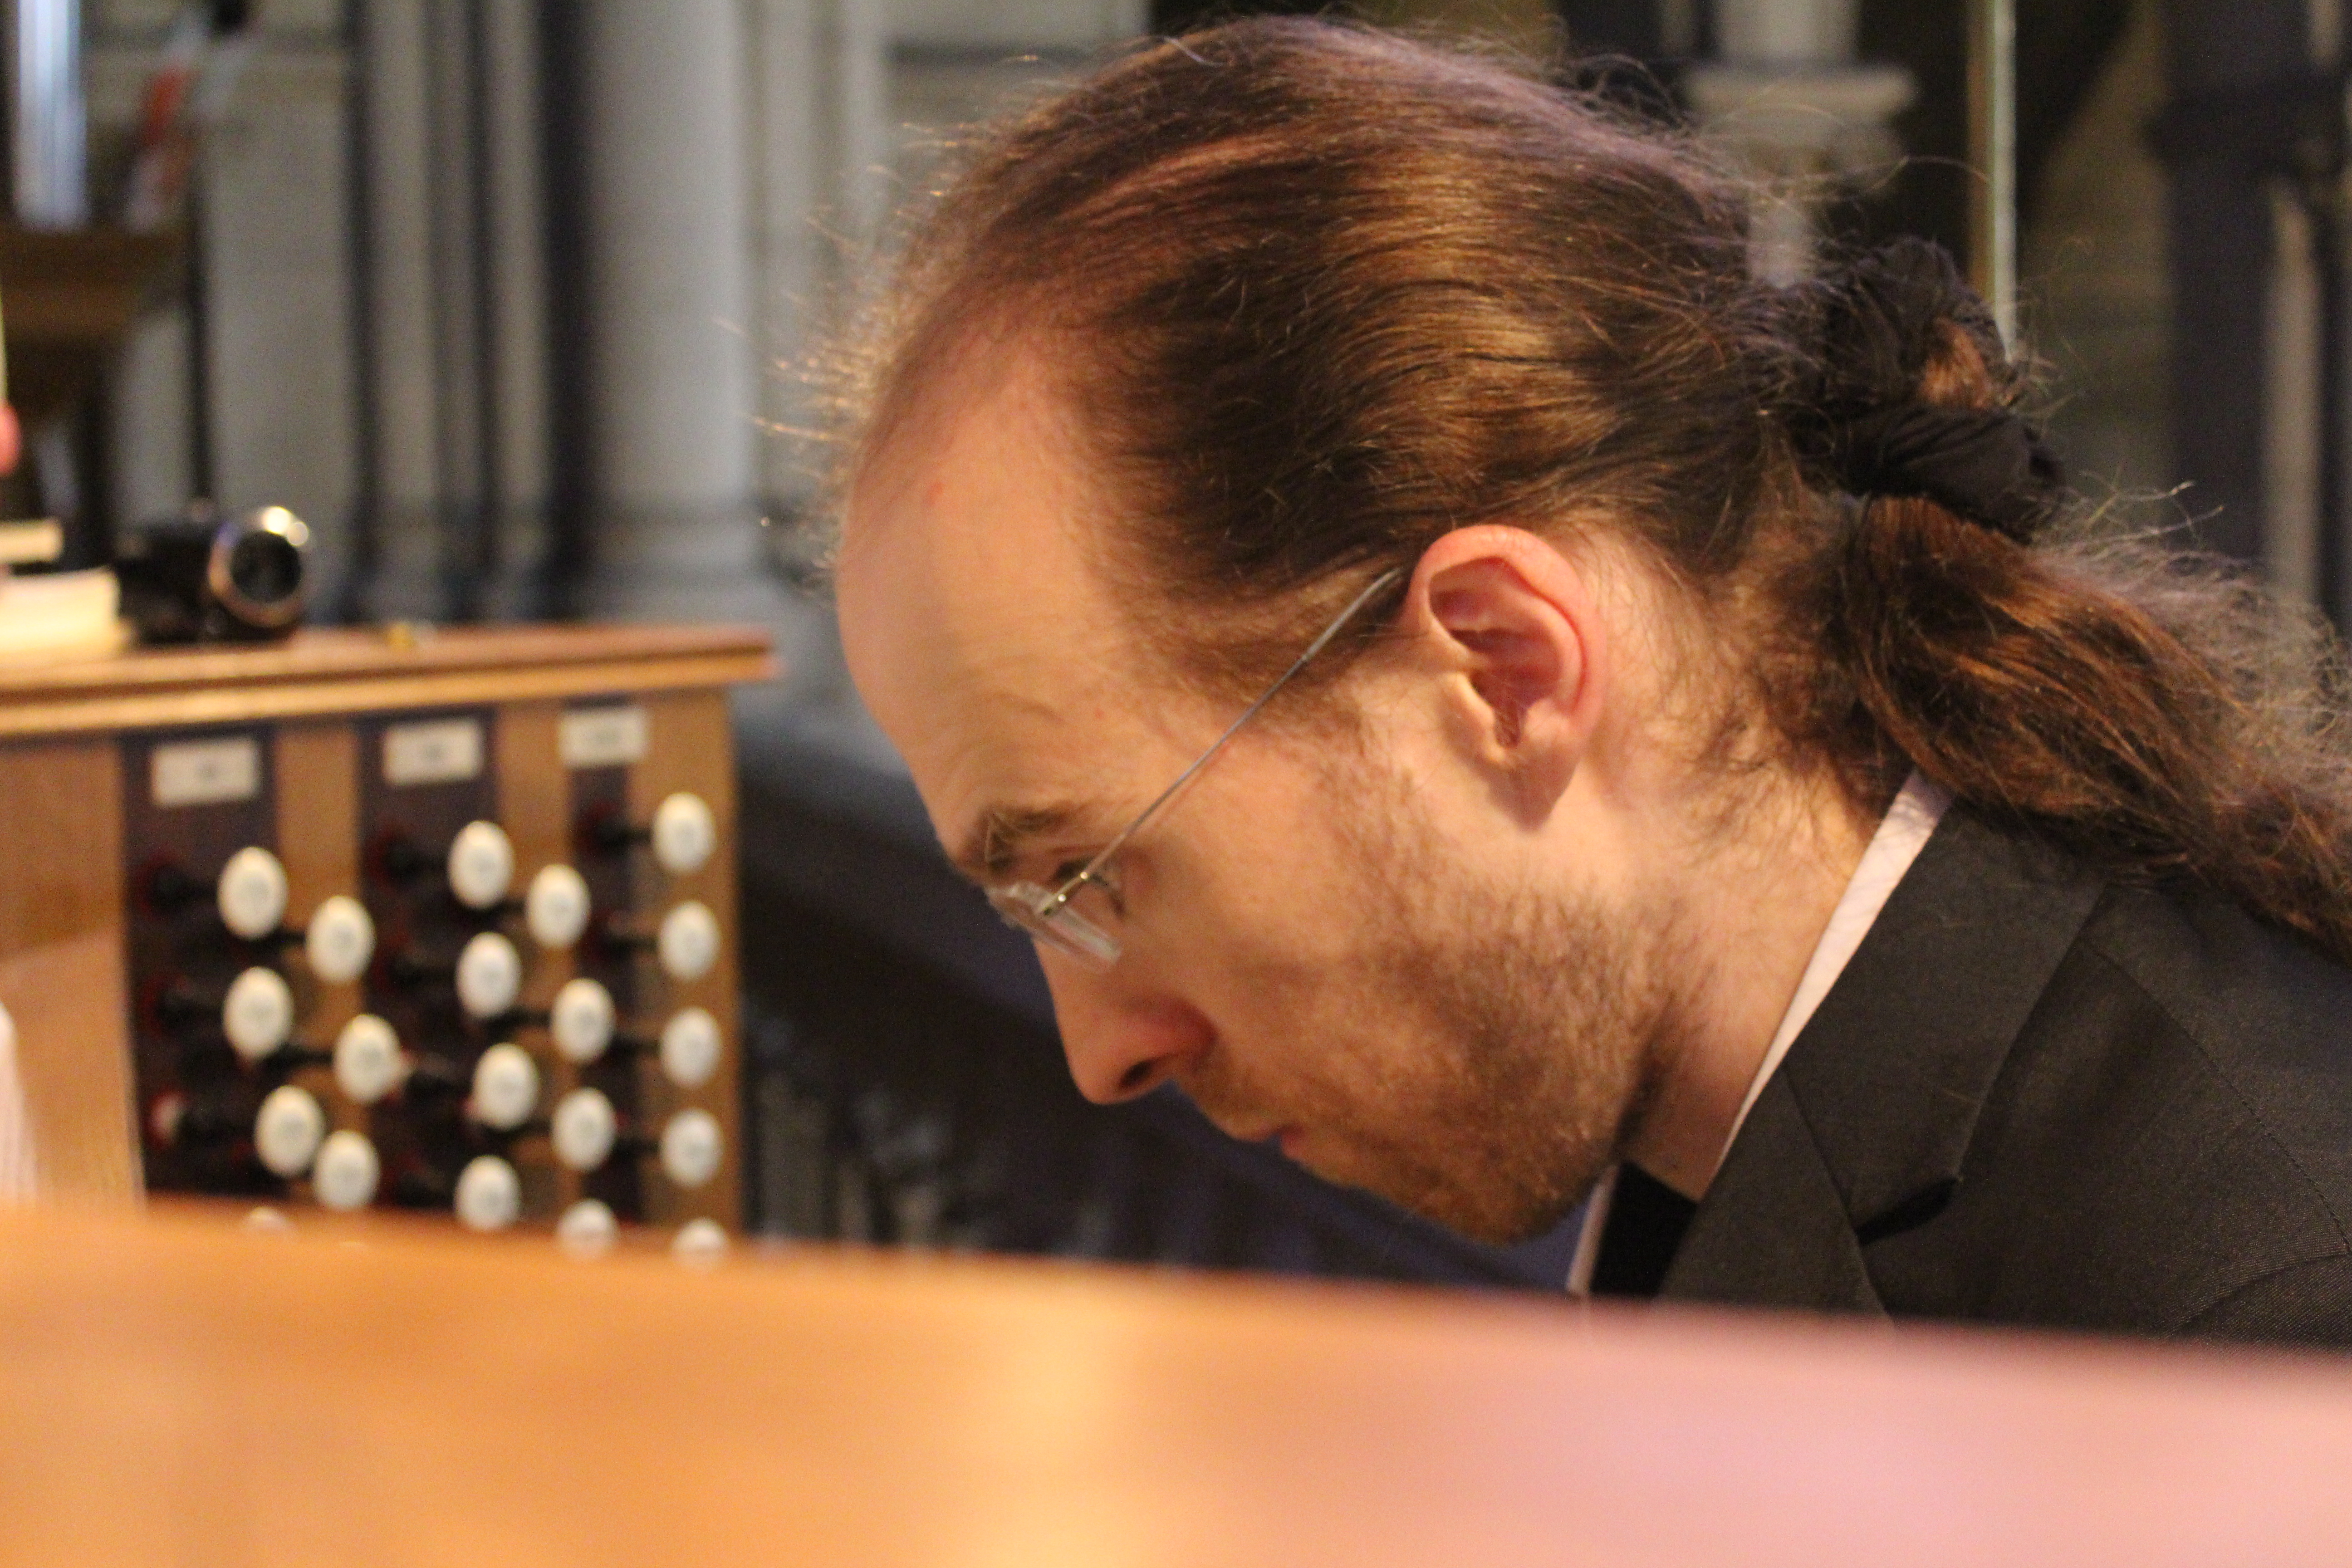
x=1121 y=1040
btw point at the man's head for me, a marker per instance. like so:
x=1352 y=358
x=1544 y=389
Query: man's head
x=1397 y=923
x=1524 y=868
x=1184 y=362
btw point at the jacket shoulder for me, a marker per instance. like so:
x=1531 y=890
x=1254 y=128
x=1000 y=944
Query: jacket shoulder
x=2168 y=1145
x=2269 y=1013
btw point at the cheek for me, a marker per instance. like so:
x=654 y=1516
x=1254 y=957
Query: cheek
x=1253 y=882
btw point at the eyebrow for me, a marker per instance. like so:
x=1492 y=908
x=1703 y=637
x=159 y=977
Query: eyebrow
x=1005 y=833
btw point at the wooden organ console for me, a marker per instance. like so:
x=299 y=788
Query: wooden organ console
x=426 y=920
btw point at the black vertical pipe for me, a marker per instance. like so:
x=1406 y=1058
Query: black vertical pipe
x=202 y=477
x=456 y=527
x=562 y=35
x=359 y=235
x=2330 y=150
x=2327 y=257
x=2222 y=244
x=563 y=64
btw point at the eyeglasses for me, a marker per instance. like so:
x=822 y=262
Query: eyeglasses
x=1081 y=916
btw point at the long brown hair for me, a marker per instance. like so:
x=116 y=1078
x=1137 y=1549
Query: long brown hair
x=1332 y=294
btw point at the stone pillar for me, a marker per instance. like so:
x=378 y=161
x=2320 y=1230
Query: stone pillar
x=1788 y=94
x=673 y=521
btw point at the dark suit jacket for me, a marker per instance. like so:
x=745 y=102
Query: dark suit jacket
x=2037 y=1098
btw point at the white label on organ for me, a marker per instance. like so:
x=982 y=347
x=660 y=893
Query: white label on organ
x=440 y=751
x=601 y=737
x=205 y=773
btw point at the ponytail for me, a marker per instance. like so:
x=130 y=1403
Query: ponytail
x=2136 y=707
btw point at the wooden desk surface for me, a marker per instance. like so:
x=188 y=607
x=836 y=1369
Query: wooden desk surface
x=331 y=670
x=175 y=1391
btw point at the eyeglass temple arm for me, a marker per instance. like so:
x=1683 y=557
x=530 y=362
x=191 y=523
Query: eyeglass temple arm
x=1355 y=605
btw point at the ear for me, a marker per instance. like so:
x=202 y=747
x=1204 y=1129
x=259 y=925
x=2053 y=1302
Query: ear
x=1515 y=624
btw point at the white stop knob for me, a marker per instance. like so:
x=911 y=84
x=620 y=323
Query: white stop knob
x=587 y=1229
x=689 y=1048
x=339 y=939
x=252 y=893
x=345 y=1175
x=691 y=1148
x=687 y=942
x=368 y=1062
x=581 y=1020
x=584 y=1130
x=489 y=975
x=684 y=834
x=506 y=1088
x=288 y=1131
x=556 y=907
x=481 y=865
x=258 y=1015
x=699 y=1242
x=489 y=1194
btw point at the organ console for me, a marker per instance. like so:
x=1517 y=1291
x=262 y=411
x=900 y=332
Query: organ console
x=365 y=921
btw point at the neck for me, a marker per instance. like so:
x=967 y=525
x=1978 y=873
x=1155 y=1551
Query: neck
x=1754 y=909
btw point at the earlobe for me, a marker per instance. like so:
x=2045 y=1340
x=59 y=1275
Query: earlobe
x=1511 y=616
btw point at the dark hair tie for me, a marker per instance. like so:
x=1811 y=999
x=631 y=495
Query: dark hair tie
x=1878 y=322
x=1985 y=466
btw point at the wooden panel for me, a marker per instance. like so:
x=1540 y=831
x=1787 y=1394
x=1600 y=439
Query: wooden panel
x=180 y=1394
x=690 y=747
x=317 y=839
x=308 y=699
x=61 y=964
x=325 y=672
x=534 y=807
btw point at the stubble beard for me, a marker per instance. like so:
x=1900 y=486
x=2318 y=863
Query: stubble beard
x=1479 y=1062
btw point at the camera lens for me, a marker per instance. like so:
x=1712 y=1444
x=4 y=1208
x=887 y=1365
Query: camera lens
x=266 y=568
x=255 y=574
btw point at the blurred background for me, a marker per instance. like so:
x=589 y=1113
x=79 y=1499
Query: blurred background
x=508 y=299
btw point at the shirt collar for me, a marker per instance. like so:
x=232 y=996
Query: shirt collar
x=1902 y=834
x=1904 y=830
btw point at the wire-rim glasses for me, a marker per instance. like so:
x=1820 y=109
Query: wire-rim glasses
x=1053 y=916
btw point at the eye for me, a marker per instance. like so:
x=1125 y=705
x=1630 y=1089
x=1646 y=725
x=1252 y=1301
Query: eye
x=1061 y=873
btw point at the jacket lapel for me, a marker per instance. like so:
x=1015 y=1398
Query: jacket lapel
x=1861 y=1131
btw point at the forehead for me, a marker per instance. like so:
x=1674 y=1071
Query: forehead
x=977 y=623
